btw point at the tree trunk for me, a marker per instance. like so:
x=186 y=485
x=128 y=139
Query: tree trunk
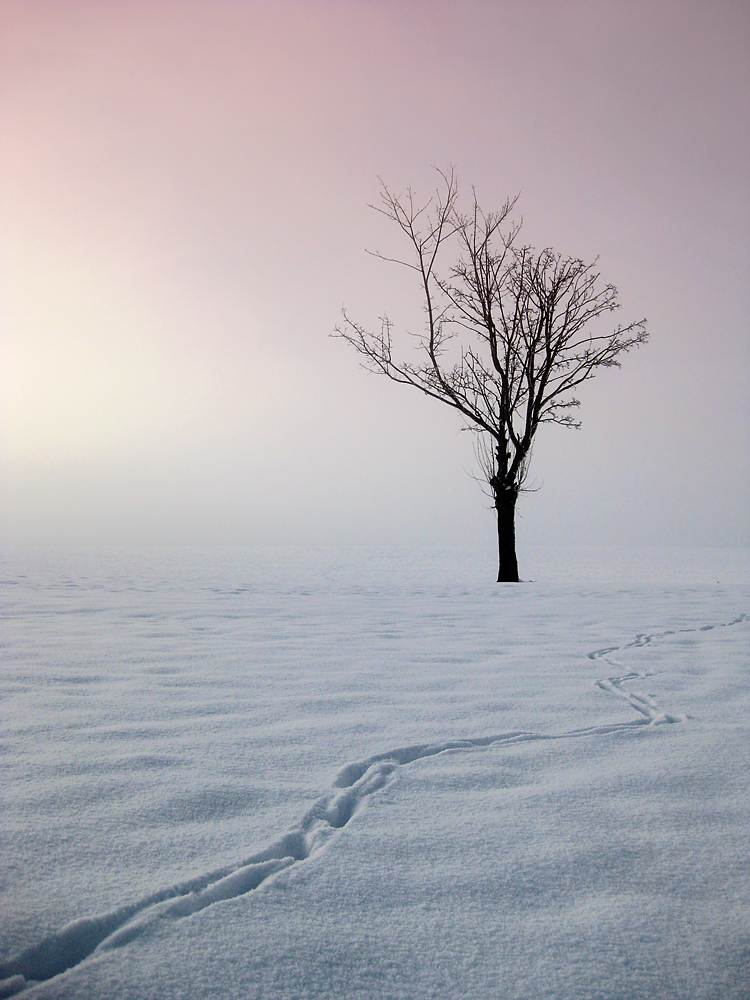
x=505 y=504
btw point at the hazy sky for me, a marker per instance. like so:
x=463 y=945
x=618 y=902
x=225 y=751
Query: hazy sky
x=184 y=212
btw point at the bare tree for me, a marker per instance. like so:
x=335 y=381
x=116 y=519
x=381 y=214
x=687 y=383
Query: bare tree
x=510 y=334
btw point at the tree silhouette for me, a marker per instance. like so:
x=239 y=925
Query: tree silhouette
x=510 y=334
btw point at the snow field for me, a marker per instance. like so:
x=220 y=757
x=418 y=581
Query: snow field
x=231 y=779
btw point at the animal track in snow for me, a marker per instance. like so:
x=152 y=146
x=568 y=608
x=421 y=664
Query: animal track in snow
x=644 y=703
x=353 y=784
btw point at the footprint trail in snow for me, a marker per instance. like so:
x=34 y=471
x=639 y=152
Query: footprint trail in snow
x=354 y=783
x=644 y=703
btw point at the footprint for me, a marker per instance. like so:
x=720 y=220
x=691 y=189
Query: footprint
x=353 y=784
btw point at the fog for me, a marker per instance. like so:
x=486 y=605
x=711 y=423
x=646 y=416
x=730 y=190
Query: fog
x=185 y=210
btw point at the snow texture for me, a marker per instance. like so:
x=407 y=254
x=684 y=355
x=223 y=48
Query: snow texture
x=279 y=774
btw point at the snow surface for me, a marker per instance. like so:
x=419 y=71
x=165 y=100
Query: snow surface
x=335 y=774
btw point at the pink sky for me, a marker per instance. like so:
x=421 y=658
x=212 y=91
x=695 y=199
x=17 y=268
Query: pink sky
x=184 y=211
